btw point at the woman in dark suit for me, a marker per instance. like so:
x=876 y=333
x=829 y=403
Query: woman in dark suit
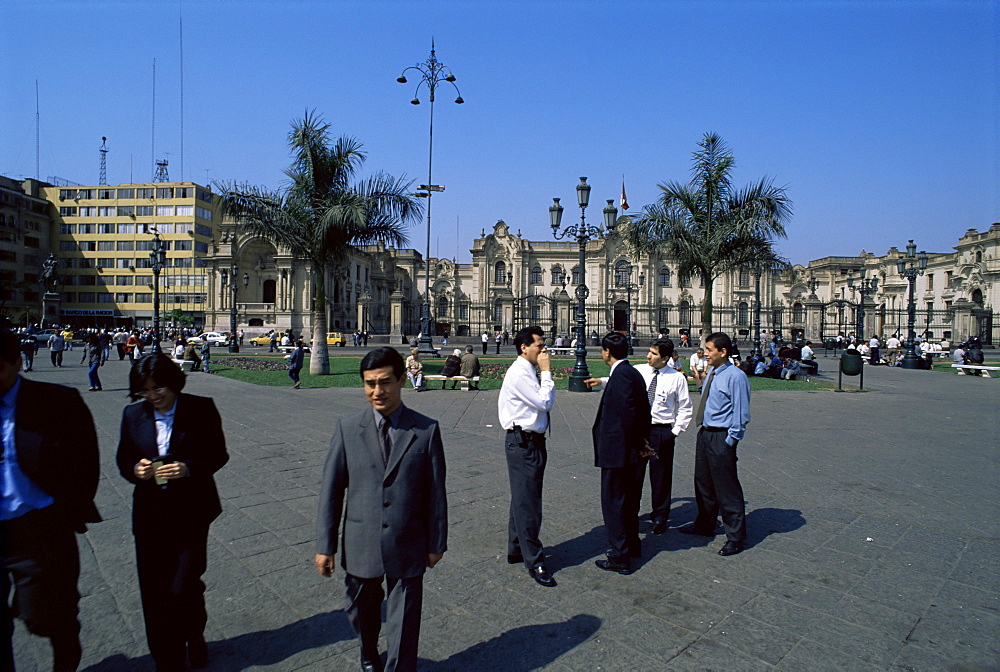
x=171 y=444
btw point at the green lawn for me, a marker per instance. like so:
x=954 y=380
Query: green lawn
x=273 y=370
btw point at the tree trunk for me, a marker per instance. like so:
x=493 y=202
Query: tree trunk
x=706 y=310
x=319 y=361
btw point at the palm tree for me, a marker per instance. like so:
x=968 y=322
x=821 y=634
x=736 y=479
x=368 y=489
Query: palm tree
x=322 y=212
x=709 y=227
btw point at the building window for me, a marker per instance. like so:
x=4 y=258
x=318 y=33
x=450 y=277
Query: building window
x=499 y=273
x=683 y=281
x=125 y=211
x=143 y=211
x=164 y=192
x=442 y=307
x=145 y=192
x=106 y=246
x=742 y=314
x=123 y=297
x=536 y=312
x=536 y=275
x=181 y=227
x=201 y=229
x=201 y=247
x=182 y=245
x=797 y=312
x=30 y=242
x=930 y=282
x=184 y=192
x=67 y=229
x=204 y=196
x=67 y=211
x=557 y=275
x=497 y=310
x=88 y=211
x=88 y=246
x=125 y=245
x=126 y=193
x=105 y=297
x=68 y=246
x=125 y=263
x=105 y=194
x=67 y=194
x=684 y=312
x=664 y=277
x=106 y=228
x=106 y=210
x=124 y=280
x=463 y=311
x=575 y=276
x=86 y=297
x=623 y=270
x=744 y=280
x=164 y=211
x=85 y=193
x=185 y=210
x=979 y=257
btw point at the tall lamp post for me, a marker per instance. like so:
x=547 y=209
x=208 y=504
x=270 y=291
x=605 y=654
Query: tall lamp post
x=864 y=288
x=158 y=261
x=432 y=72
x=909 y=267
x=757 y=270
x=582 y=233
x=629 y=287
x=234 y=286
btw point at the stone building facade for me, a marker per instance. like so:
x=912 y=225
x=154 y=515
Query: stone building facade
x=513 y=282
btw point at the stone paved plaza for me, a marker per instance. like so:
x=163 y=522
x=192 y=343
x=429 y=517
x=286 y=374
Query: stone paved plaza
x=874 y=533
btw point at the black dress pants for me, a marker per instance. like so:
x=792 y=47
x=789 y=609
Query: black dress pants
x=661 y=470
x=402 y=618
x=525 y=471
x=41 y=562
x=170 y=566
x=717 y=486
x=621 y=490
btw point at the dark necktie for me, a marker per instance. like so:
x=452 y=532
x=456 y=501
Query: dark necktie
x=651 y=392
x=704 y=397
x=3 y=448
x=385 y=439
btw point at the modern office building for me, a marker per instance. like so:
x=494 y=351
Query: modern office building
x=25 y=224
x=103 y=236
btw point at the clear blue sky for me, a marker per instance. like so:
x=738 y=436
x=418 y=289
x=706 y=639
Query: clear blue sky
x=882 y=118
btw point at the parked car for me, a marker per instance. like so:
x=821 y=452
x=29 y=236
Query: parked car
x=260 y=339
x=213 y=337
x=335 y=338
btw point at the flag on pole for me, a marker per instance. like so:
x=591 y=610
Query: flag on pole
x=624 y=201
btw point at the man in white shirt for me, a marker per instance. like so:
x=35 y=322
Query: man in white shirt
x=892 y=349
x=698 y=365
x=524 y=406
x=670 y=407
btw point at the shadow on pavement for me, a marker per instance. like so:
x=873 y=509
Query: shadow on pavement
x=264 y=647
x=530 y=647
x=762 y=523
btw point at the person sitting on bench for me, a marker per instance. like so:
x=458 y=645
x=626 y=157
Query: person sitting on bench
x=452 y=366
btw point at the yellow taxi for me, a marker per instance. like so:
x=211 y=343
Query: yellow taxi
x=335 y=338
x=262 y=339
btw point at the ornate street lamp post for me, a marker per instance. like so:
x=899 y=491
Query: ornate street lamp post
x=910 y=267
x=432 y=72
x=582 y=233
x=629 y=287
x=865 y=287
x=234 y=286
x=158 y=259
x=757 y=270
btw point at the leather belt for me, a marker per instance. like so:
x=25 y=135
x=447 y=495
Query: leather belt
x=715 y=429
x=667 y=425
x=528 y=432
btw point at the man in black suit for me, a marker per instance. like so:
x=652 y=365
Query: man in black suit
x=384 y=485
x=621 y=448
x=49 y=472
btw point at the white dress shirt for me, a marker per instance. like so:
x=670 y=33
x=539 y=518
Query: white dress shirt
x=672 y=402
x=164 y=429
x=524 y=401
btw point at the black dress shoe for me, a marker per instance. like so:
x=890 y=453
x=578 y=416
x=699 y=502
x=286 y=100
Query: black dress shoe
x=691 y=529
x=542 y=576
x=659 y=525
x=610 y=565
x=731 y=548
x=197 y=653
x=373 y=664
x=514 y=559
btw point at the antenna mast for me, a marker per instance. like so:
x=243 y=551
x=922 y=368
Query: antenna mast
x=104 y=161
x=37 y=171
x=152 y=142
x=161 y=171
x=181 y=20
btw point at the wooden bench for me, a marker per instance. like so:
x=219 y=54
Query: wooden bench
x=810 y=367
x=187 y=365
x=461 y=379
x=561 y=351
x=975 y=367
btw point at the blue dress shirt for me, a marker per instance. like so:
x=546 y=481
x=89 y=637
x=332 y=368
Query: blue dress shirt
x=18 y=494
x=728 y=402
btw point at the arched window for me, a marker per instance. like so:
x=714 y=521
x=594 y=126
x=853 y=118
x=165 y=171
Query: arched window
x=977 y=297
x=742 y=314
x=623 y=270
x=536 y=275
x=442 y=307
x=557 y=275
x=684 y=312
x=664 y=277
x=684 y=281
x=744 y=277
x=500 y=273
x=797 y=312
x=979 y=256
x=576 y=280
x=270 y=291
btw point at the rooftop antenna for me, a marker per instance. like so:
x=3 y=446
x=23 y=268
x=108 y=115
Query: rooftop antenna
x=38 y=172
x=104 y=161
x=181 y=34
x=152 y=142
x=161 y=171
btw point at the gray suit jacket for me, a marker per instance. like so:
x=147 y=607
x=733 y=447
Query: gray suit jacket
x=394 y=515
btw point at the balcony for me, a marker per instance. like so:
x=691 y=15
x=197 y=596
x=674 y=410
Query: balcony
x=264 y=311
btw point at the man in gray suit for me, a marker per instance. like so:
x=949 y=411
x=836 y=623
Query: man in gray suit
x=390 y=461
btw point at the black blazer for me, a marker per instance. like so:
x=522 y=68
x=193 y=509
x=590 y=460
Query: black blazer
x=623 y=417
x=56 y=446
x=196 y=440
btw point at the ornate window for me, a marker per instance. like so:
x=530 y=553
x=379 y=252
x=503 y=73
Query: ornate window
x=536 y=275
x=684 y=281
x=442 y=307
x=742 y=314
x=497 y=310
x=576 y=279
x=797 y=312
x=744 y=277
x=499 y=273
x=664 y=277
x=684 y=310
x=557 y=275
x=623 y=270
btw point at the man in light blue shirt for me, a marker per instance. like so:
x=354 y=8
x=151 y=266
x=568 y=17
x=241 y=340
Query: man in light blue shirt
x=722 y=415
